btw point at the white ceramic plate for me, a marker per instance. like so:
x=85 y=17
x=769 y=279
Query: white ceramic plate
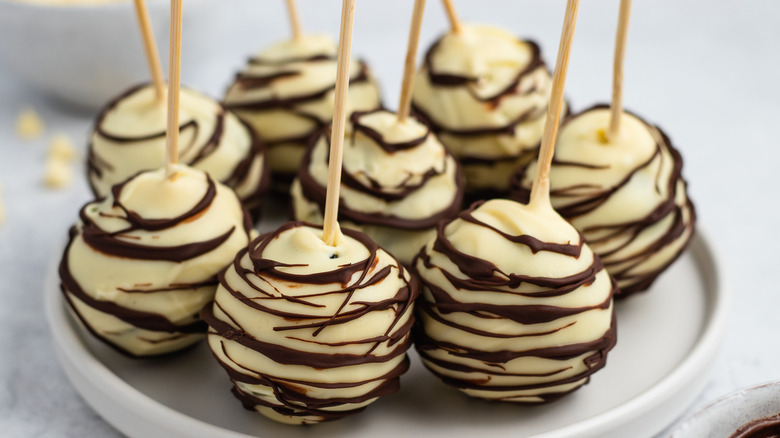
x=667 y=341
x=724 y=416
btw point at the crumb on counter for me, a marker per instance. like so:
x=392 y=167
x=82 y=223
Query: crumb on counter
x=61 y=148
x=29 y=125
x=57 y=174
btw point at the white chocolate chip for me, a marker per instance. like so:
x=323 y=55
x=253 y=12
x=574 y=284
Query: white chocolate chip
x=61 y=148
x=29 y=125
x=57 y=174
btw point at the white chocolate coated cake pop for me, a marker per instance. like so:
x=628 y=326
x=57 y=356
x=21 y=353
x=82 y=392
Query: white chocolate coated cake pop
x=129 y=137
x=310 y=332
x=485 y=93
x=625 y=194
x=515 y=306
x=286 y=94
x=397 y=182
x=143 y=261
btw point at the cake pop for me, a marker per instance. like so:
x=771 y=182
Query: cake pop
x=618 y=179
x=399 y=180
x=130 y=132
x=286 y=93
x=310 y=332
x=144 y=260
x=484 y=92
x=515 y=306
x=311 y=324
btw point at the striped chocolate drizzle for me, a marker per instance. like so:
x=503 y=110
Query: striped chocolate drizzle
x=258 y=274
x=484 y=276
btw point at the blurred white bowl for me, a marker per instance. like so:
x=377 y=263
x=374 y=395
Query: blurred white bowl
x=723 y=417
x=83 y=54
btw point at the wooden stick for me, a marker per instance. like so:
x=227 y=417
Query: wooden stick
x=330 y=227
x=410 y=65
x=454 y=21
x=150 y=47
x=295 y=22
x=617 y=76
x=174 y=80
x=540 y=191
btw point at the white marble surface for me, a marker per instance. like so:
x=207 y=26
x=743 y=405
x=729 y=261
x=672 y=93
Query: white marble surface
x=704 y=71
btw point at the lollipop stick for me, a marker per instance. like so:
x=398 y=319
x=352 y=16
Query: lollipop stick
x=409 y=66
x=617 y=76
x=174 y=79
x=454 y=21
x=295 y=22
x=150 y=47
x=540 y=191
x=330 y=226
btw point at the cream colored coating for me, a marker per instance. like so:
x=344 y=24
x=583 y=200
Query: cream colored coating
x=108 y=278
x=303 y=245
x=285 y=127
x=638 y=148
x=142 y=114
x=503 y=334
x=493 y=58
x=367 y=161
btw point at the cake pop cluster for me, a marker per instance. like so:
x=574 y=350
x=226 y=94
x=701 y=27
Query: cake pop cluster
x=504 y=300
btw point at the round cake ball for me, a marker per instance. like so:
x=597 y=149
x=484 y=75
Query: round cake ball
x=143 y=261
x=397 y=182
x=286 y=94
x=626 y=194
x=309 y=332
x=130 y=136
x=484 y=92
x=515 y=307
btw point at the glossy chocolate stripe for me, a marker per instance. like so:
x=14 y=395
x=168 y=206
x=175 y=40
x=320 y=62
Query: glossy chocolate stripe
x=454 y=80
x=139 y=222
x=277 y=102
x=601 y=346
x=107 y=243
x=292 y=356
x=143 y=320
x=377 y=136
x=316 y=193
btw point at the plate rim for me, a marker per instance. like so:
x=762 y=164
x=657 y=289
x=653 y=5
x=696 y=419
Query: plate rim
x=68 y=343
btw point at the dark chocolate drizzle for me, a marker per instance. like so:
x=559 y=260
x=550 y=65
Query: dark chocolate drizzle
x=314 y=192
x=451 y=80
x=97 y=165
x=116 y=244
x=290 y=399
x=597 y=196
x=483 y=275
x=245 y=80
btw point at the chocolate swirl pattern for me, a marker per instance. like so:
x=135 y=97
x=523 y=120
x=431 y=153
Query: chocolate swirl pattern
x=142 y=262
x=129 y=136
x=398 y=181
x=484 y=92
x=286 y=94
x=515 y=307
x=627 y=196
x=309 y=332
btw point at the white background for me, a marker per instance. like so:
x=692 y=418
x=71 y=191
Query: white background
x=706 y=72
